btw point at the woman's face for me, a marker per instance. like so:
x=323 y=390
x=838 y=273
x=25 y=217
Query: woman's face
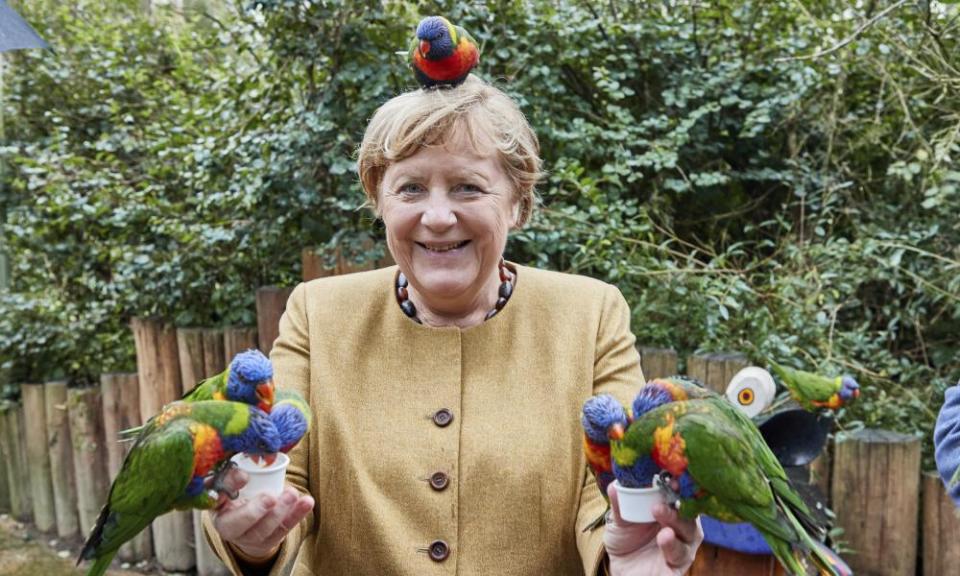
x=447 y=210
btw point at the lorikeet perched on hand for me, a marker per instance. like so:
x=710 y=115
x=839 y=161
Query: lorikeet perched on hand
x=248 y=379
x=291 y=416
x=724 y=469
x=442 y=54
x=813 y=391
x=177 y=463
x=603 y=417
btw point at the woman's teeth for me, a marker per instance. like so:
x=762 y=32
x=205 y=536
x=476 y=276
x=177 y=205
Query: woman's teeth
x=444 y=247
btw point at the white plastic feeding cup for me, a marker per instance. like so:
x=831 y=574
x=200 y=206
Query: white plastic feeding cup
x=268 y=479
x=636 y=504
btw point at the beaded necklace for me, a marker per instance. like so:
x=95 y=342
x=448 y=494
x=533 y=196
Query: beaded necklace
x=503 y=294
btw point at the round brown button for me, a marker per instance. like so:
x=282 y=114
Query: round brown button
x=442 y=417
x=439 y=481
x=439 y=551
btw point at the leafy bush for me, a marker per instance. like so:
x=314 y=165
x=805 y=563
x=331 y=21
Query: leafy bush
x=753 y=176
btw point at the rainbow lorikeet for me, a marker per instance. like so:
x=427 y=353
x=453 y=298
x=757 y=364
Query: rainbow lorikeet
x=723 y=468
x=291 y=416
x=603 y=416
x=177 y=462
x=442 y=54
x=813 y=392
x=248 y=379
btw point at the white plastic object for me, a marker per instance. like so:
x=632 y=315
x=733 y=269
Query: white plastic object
x=751 y=390
x=636 y=504
x=263 y=479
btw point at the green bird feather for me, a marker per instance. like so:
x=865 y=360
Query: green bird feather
x=813 y=391
x=726 y=470
x=170 y=465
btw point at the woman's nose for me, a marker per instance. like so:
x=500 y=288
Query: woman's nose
x=439 y=214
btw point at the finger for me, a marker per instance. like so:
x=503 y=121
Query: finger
x=685 y=530
x=675 y=553
x=269 y=523
x=614 y=504
x=296 y=513
x=235 y=521
x=235 y=479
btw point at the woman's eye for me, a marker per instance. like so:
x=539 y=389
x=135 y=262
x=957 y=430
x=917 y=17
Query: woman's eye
x=470 y=188
x=410 y=188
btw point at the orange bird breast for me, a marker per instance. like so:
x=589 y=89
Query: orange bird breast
x=669 y=448
x=598 y=455
x=453 y=66
x=207 y=449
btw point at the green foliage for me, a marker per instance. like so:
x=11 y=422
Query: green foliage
x=762 y=176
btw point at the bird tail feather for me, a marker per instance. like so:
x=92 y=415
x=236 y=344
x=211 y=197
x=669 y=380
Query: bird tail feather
x=827 y=561
x=99 y=567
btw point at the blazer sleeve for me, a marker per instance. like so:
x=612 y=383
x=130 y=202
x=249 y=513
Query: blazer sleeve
x=946 y=441
x=616 y=371
x=290 y=356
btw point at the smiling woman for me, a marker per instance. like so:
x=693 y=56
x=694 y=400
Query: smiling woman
x=482 y=366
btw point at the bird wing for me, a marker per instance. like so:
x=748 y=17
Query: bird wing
x=154 y=475
x=205 y=388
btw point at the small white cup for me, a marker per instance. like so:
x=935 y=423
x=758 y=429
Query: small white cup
x=263 y=479
x=636 y=504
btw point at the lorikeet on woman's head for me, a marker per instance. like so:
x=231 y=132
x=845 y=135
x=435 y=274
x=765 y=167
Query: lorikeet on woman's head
x=177 y=463
x=442 y=54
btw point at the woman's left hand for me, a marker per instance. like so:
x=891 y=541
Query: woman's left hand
x=666 y=547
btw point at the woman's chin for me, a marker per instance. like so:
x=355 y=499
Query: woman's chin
x=443 y=287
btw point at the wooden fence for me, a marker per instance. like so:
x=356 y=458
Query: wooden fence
x=57 y=454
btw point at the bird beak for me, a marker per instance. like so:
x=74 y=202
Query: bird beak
x=424 y=47
x=269 y=459
x=856 y=393
x=616 y=432
x=265 y=394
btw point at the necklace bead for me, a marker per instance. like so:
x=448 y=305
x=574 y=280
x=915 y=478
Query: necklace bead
x=503 y=294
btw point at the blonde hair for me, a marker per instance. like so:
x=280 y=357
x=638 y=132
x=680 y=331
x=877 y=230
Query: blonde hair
x=475 y=110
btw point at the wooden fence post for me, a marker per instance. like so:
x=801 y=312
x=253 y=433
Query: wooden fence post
x=11 y=450
x=876 y=496
x=715 y=369
x=37 y=456
x=121 y=410
x=6 y=497
x=941 y=529
x=271 y=302
x=237 y=339
x=61 y=459
x=158 y=369
x=658 y=362
x=194 y=363
x=313 y=266
x=85 y=411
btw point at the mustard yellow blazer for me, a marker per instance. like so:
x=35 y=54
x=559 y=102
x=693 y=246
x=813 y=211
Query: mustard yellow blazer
x=447 y=450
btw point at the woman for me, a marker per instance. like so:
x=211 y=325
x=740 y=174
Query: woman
x=447 y=389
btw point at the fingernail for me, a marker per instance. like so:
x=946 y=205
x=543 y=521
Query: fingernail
x=268 y=502
x=288 y=498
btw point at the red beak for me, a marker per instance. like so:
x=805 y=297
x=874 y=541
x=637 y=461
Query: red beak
x=616 y=432
x=265 y=394
x=269 y=459
x=424 y=47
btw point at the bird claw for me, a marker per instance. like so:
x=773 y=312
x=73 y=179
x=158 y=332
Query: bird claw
x=663 y=481
x=216 y=484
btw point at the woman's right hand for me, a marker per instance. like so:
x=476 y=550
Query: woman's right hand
x=256 y=527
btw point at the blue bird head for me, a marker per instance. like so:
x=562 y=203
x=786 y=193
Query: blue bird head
x=433 y=33
x=649 y=398
x=849 y=388
x=291 y=424
x=260 y=439
x=639 y=475
x=250 y=380
x=601 y=415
